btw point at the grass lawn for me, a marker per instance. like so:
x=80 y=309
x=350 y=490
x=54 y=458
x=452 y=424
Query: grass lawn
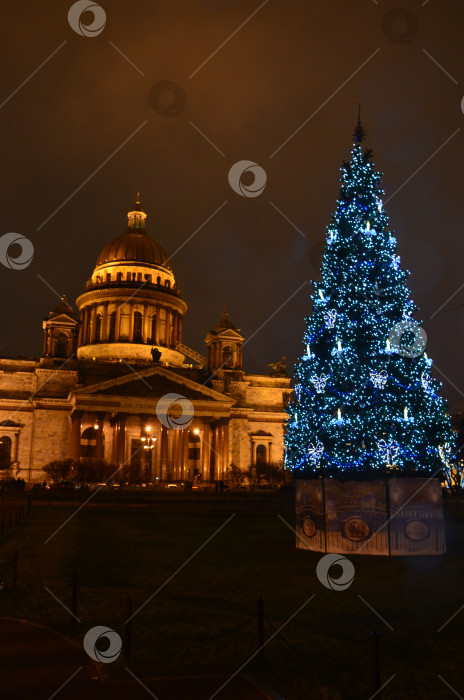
x=203 y=621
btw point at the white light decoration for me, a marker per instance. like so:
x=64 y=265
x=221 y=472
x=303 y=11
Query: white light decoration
x=308 y=350
x=330 y=317
x=319 y=383
x=298 y=391
x=315 y=452
x=388 y=349
x=339 y=346
x=426 y=381
x=445 y=453
x=406 y=413
x=368 y=226
x=388 y=451
x=321 y=294
x=379 y=205
x=379 y=379
x=396 y=262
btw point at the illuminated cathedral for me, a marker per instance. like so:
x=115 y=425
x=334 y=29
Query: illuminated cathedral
x=96 y=389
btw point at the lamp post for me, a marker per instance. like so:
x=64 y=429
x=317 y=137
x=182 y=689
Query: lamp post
x=148 y=445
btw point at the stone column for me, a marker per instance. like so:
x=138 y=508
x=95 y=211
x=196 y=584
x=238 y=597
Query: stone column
x=176 y=454
x=121 y=439
x=176 y=329
x=157 y=325
x=212 y=456
x=185 y=453
x=219 y=451
x=76 y=418
x=145 y=330
x=93 y=323
x=226 y=448
x=131 y=322
x=204 y=450
x=99 y=440
x=86 y=327
x=114 y=440
x=117 y=324
x=104 y=327
x=164 y=452
x=168 y=332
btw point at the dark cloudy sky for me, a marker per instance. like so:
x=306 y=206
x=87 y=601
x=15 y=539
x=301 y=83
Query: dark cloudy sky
x=292 y=63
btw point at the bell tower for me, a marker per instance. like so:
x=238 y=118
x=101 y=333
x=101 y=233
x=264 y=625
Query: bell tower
x=224 y=346
x=61 y=330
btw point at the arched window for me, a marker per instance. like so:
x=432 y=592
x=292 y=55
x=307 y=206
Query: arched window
x=260 y=454
x=61 y=345
x=137 y=327
x=98 y=328
x=88 y=446
x=112 y=327
x=5 y=452
x=89 y=434
x=227 y=356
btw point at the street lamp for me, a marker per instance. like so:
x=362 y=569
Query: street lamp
x=148 y=445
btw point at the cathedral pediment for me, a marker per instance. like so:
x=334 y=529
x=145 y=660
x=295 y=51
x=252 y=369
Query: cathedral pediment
x=153 y=382
x=64 y=318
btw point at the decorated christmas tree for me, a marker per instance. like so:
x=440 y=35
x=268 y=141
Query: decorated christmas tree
x=365 y=402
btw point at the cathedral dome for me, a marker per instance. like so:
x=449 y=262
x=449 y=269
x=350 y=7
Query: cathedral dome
x=134 y=245
x=131 y=305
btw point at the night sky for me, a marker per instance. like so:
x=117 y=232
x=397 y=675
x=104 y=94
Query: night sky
x=292 y=64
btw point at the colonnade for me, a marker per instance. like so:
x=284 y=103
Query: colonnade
x=117 y=438
x=166 y=329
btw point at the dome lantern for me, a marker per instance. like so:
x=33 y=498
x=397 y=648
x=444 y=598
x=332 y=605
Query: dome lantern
x=136 y=217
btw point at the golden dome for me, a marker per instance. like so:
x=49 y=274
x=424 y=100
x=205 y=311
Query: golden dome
x=134 y=245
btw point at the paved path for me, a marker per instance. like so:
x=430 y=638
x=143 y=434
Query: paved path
x=38 y=663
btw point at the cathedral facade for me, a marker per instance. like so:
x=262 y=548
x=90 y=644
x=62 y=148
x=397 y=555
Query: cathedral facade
x=116 y=381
